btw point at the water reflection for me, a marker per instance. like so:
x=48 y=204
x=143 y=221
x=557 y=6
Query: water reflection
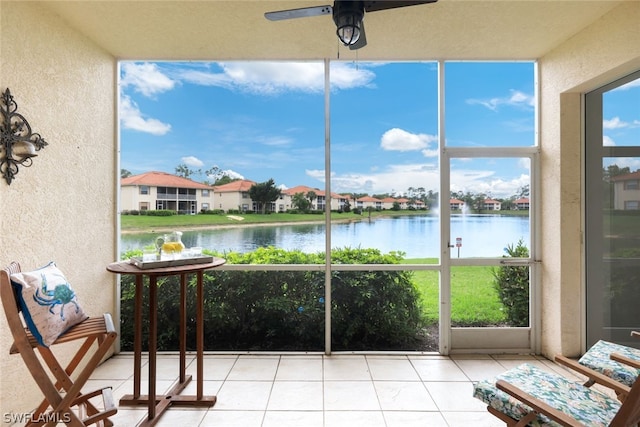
x=417 y=236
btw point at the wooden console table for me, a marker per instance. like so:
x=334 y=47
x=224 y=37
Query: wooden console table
x=158 y=404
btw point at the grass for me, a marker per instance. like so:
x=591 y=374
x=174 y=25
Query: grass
x=474 y=299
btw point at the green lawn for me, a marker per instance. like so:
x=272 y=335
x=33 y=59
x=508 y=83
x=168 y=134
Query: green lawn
x=474 y=299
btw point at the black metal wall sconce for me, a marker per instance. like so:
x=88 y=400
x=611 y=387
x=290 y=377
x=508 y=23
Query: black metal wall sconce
x=18 y=144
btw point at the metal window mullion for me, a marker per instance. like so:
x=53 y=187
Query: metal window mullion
x=327 y=208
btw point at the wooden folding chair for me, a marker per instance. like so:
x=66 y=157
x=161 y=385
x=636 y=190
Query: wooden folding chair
x=604 y=357
x=527 y=395
x=63 y=400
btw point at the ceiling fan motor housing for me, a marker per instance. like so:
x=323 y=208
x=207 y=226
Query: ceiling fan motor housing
x=348 y=16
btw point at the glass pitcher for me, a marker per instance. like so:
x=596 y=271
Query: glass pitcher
x=170 y=245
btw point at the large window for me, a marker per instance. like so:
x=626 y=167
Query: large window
x=415 y=179
x=612 y=216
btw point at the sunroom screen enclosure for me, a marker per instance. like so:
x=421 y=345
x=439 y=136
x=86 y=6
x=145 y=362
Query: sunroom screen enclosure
x=447 y=149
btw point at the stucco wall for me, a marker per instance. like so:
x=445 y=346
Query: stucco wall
x=62 y=208
x=606 y=50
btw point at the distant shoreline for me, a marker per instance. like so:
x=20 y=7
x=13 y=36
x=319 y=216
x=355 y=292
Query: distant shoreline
x=227 y=226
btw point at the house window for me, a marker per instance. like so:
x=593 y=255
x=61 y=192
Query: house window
x=631 y=184
x=205 y=193
x=632 y=205
x=144 y=206
x=144 y=189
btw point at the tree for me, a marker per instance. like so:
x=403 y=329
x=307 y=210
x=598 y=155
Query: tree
x=300 y=202
x=311 y=195
x=185 y=172
x=264 y=194
x=125 y=173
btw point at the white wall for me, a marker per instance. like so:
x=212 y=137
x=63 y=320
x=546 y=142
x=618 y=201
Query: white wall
x=62 y=208
x=606 y=50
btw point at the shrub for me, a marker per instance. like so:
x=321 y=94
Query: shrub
x=512 y=283
x=284 y=310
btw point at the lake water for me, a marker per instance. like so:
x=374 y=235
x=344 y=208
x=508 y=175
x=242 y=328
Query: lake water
x=417 y=236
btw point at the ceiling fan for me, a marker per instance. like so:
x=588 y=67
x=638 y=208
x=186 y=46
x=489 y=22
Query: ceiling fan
x=347 y=15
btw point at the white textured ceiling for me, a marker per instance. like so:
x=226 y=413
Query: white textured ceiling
x=221 y=30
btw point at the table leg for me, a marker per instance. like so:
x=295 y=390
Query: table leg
x=137 y=337
x=153 y=331
x=183 y=326
x=200 y=334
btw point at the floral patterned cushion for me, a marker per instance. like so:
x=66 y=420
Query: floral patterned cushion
x=598 y=359
x=586 y=405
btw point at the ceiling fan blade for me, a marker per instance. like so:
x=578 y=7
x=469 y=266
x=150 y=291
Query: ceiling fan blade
x=372 y=6
x=362 y=40
x=299 y=13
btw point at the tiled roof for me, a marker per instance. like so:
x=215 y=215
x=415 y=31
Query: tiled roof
x=162 y=179
x=302 y=189
x=627 y=176
x=368 y=199
x=234 y=186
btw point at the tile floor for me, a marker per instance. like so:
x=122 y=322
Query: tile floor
x=317 y=390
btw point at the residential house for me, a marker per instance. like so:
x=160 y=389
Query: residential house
x=626 y=191
x=456 y=204
x=491 y=205
x=522 y=203
x=164 y=191
x=234 y=196
x=338 y=201
x=369 y=202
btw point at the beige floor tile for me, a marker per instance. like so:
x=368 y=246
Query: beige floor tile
x=214 y=368
x=438 y=370
x=392 y=369
x=299 y=369
x=414 y=419
x=475 y=419
x=404 y=396
x=244 y=395
x=293 y=419
x=115 y=368
x=354 y=419
x=454 y=396
x=181 y=417
x=215 y=418
x=296 y=396
x=346 y=368
x=480 y=369
x=350 y=396
x=254 y=369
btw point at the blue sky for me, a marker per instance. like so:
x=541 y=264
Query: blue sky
x=262 y=120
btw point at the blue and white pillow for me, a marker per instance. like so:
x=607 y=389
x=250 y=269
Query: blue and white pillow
x=49 y=304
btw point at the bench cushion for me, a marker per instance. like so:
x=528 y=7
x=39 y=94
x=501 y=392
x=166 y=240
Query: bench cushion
x=589 y=406
x=598 y=358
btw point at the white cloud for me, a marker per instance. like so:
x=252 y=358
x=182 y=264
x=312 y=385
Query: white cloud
x=267 y=78
x=515 y=99
x=400 y=140
x=614 y=123
x=132 y=118
x=607 y=141
x=192 y=161
x=145 y=78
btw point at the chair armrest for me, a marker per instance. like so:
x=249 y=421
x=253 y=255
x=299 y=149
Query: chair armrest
x=593 y=375
x=635 y=334
x=623 y=359
x=538 y=405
